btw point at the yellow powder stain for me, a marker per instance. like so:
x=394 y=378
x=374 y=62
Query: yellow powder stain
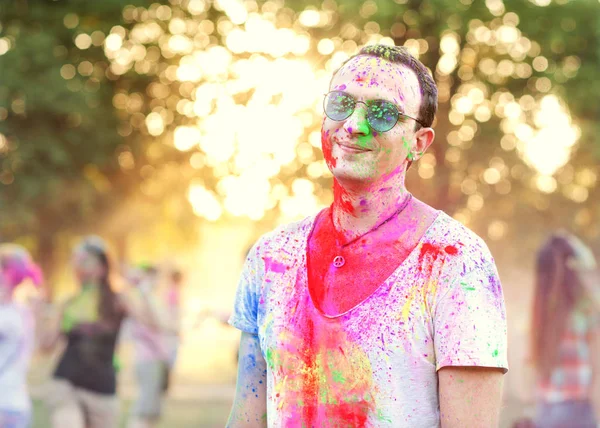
x=429 y=291
x=338 y=371
x=409 y=302
x=266 y=324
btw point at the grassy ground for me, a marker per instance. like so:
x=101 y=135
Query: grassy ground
x=213 y=414
x=203 y=389
x=177 y=414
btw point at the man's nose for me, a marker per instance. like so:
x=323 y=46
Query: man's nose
x=357 y=124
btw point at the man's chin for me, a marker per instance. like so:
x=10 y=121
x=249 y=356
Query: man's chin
x=348 y=176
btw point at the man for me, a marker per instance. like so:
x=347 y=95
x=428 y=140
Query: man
x=380 y=311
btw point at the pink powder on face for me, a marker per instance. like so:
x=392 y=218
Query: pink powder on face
x=341 y=198
x=326 y=148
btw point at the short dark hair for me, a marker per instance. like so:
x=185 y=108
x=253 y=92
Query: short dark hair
x=401 y=55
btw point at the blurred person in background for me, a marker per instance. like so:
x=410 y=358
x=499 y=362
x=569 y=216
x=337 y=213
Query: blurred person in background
x=173 y=307
x=82 y=393
x=380 y=310
x=565 y=336
x=150 y=352
x=17 y=331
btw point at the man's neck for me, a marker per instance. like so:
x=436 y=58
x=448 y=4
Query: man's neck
x=359 y=209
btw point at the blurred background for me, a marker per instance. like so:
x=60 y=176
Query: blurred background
x=182 y=130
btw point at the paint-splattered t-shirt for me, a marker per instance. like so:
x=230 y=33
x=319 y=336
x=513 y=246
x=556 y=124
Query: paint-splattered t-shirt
x=375 y=365
x=16 y=348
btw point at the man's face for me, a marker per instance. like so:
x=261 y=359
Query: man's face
x=352 y=150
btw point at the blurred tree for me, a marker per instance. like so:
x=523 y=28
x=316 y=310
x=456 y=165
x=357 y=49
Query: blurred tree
x=65 y=164
x=228 y=83
x=220 y=101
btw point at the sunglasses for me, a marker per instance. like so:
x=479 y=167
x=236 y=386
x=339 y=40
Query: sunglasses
x=381 y=115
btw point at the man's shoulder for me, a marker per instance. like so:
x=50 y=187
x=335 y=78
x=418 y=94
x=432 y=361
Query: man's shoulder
x=457 y=240
x=285 y=236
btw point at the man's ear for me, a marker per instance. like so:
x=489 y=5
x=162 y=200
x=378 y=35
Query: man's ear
x=423 y=139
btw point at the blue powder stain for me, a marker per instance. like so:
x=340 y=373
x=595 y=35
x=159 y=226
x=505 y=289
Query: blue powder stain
x=250 y=362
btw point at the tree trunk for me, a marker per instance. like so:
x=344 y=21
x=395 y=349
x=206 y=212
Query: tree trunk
x=46 y=256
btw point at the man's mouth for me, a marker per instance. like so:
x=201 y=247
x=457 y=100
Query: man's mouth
x=352 y=148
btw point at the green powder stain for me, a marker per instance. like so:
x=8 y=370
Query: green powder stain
x=382 y=417
x=466 y=286
x=406 y=143
x=323 y=396
x=495 y=353
x=270 y=358
x=338 y=377
x=364 y=140
x=117 y=364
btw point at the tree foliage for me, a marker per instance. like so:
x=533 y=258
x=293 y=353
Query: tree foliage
x=142 y=106
x=65 y=165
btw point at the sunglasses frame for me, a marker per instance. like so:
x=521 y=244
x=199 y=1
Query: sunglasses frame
x=356 y=102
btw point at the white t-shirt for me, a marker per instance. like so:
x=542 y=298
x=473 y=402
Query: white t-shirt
x=375 y=365
x=16 y=348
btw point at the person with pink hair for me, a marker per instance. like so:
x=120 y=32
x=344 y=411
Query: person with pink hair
x=16 y=336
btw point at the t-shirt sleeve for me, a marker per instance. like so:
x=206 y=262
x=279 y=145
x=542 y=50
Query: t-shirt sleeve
x=245 y=309
x=470 y=321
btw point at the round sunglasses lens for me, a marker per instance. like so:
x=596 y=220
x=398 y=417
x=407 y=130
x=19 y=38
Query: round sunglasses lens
x=338 y=106
x=382 y=115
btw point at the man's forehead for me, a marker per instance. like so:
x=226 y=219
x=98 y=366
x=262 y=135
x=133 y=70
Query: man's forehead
x=378 y=73
x=371 y=64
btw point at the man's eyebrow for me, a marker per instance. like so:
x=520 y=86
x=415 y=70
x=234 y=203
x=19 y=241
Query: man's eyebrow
x=400 y=107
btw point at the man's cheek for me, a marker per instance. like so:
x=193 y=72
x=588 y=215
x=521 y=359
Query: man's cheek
x=326 y=147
